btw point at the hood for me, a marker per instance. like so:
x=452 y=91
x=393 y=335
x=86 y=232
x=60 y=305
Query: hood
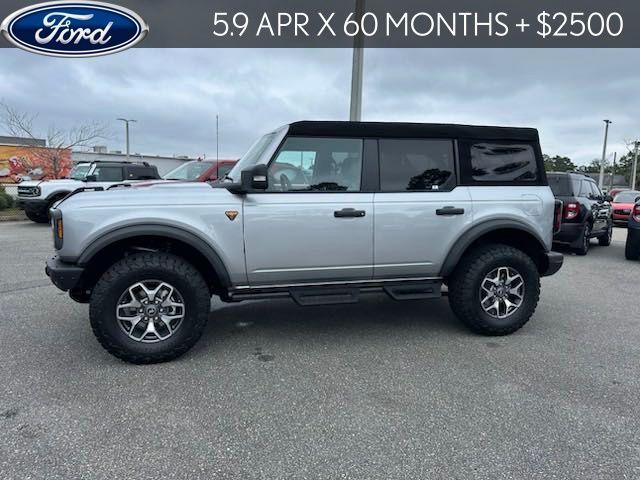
x=625 y=206
x=149 y=183
x=153 y=194
x=59 y=181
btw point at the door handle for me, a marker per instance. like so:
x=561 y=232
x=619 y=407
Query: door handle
x=450 y=211
x=349 y=213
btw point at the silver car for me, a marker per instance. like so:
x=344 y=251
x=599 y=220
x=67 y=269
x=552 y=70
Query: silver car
x=322 y=212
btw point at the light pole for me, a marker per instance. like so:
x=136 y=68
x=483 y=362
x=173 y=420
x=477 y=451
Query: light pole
x=634 y=170
x=613 y=170
x=126 y=131
x=355 y=111
x=604 y=153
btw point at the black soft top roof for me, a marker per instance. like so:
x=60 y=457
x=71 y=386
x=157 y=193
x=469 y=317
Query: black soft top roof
x=410 y=130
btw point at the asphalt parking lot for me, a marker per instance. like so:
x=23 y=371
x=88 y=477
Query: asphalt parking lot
x=380 y=389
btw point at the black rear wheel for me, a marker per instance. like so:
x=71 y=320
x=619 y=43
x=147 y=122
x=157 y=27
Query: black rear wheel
x=585 y=240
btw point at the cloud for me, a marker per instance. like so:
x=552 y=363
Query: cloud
x=175 y=94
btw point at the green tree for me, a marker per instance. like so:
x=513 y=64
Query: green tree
x=558 y=164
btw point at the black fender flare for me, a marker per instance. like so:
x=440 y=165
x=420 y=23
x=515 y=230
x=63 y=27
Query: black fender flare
x=158 y=230
x=475 y=232
x=59 y=195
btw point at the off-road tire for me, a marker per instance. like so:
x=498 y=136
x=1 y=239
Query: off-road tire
x=464 y=288
x=145 y=266
x=585 y=240
x=37 y=215
x=605 y=240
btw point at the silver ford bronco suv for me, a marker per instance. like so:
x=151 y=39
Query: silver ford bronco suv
x=322 y=212
x=38 y=196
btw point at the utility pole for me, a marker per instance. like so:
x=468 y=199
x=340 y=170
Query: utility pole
x=634 y=170
x=613 y=170
x=604 y=153
x=126 y=132
x=355 y=111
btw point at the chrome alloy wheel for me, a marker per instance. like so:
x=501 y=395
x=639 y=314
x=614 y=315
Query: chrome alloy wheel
x=501 y=292
x=150 y=311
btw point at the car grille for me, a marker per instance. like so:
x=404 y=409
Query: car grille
x=28 y=191
x=622 y=212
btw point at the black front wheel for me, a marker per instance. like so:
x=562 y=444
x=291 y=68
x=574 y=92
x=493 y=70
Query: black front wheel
x=149 y=307
x=495 y=289
x=585 y=240
x=38 y=215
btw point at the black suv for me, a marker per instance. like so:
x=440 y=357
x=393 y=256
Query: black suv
x=586 y=211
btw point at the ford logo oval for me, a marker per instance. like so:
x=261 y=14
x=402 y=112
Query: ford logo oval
x=73 y=29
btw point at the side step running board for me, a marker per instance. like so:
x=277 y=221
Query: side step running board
x=324 y=296
x=342 y=294
x=414 y=291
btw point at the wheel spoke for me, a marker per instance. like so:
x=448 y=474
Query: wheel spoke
x=501 y=292
x=150 y=311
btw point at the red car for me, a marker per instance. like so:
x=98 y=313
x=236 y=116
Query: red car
x=622 y=205
x=201 y=171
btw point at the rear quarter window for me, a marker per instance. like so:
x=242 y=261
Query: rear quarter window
x=499 y=163
x=560 y=185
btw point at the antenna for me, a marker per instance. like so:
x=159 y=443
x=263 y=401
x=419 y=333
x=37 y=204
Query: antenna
x=217 y=151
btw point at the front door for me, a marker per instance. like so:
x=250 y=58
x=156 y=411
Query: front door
x=313 y=224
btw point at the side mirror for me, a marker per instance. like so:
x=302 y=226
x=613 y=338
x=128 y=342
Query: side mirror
x=608 y=198
x=255 y=178
x=90 y=178
x=637 y=200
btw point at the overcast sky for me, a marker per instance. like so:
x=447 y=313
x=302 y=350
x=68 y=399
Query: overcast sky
x=176 y=94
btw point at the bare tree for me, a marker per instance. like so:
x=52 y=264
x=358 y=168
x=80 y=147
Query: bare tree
x=59 y=142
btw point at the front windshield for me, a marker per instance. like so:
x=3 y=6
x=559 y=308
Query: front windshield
x=79 y=172
x=626 y=197
x=251 y=157
x=188 y=171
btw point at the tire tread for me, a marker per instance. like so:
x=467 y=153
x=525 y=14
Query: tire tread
x=137 y=262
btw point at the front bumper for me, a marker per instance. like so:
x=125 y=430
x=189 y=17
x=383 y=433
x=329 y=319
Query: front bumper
x=553 y=263
x=65 y=276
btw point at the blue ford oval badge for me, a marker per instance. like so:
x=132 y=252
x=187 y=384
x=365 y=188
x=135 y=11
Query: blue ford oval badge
x=74 y=29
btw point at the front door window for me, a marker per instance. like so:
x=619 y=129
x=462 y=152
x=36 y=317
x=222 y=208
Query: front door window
x=317 y=164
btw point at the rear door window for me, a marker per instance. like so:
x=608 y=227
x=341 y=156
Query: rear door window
x=416 y=165
x=108 y=174
x=141 y=173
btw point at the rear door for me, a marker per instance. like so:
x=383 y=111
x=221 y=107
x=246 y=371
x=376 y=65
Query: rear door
x=314 y=223
x=419 y=211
